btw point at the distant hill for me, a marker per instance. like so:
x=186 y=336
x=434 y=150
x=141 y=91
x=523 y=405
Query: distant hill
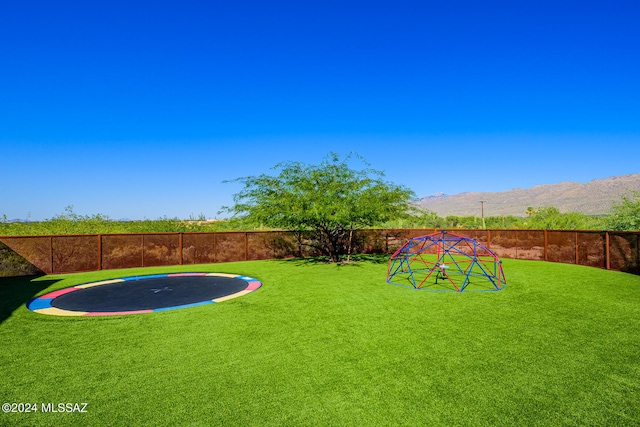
x=593 y=198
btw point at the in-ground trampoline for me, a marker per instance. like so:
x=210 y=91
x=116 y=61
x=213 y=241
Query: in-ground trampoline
x=144 y=294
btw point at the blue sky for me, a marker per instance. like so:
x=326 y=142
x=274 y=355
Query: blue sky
x=141 y=109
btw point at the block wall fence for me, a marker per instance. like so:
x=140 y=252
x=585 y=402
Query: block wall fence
x=31 y=255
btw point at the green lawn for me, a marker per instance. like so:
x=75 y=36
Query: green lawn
x=335 y=345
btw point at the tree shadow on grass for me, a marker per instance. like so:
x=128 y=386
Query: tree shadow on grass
x=18 y=291
x=355 y=260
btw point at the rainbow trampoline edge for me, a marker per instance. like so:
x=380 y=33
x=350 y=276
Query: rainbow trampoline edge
x=144 y=294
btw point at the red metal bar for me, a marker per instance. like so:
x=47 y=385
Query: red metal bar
x=638 y=253
x=246 y=246
x=51 y=252
x=99 y=252
x=607 y=255
x=546 y=244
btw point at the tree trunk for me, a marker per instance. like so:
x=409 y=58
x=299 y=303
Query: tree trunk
x=332 y=244
x=349 y=248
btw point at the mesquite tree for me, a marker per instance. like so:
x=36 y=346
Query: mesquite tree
x=330 y=200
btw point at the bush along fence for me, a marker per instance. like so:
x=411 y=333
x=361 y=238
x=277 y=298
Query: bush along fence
x=33 y=255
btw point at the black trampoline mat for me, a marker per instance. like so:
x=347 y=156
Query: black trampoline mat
x=149 y=294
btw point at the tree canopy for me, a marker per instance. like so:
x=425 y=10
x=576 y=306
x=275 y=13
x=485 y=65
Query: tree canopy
x=550 y=218
x=331 y=199
x=625 y=215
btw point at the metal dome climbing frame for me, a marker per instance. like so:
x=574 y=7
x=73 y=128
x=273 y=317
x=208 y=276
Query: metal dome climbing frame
x=451 y=261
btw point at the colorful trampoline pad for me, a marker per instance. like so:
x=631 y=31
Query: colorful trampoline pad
x=144 y=294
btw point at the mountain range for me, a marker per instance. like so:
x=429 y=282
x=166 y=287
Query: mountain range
x=592 y=198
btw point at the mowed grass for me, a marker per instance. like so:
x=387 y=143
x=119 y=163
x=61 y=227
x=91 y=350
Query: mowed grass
x=334 y=345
